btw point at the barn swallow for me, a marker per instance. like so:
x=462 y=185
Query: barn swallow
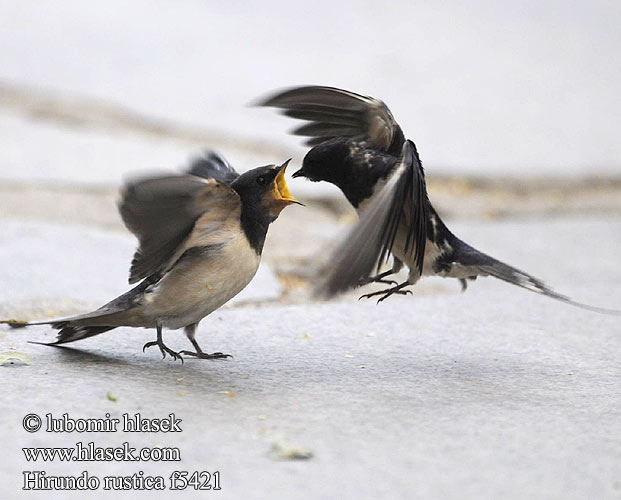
x=358 y=146
x=201 y=236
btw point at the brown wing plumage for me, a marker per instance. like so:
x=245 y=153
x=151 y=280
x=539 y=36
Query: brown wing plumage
x=162 y=211
x=339 y=113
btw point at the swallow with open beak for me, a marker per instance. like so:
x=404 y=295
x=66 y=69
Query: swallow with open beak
x=200 y=236
x=359 y=147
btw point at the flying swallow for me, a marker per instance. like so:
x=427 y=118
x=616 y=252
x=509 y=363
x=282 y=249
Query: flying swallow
x=358 y=146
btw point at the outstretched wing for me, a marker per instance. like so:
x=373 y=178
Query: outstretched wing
x=339 y=113
x=401 y=205
x=212 y=165
x=161 y=212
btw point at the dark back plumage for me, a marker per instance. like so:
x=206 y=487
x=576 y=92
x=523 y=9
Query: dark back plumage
x=349 y=165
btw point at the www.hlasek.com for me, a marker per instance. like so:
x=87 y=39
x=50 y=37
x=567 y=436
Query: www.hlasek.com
x=90 y=452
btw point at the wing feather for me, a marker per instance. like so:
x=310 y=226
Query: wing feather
x=161 y=212
x=212 y=165
x=351 y=115
x=402 y=201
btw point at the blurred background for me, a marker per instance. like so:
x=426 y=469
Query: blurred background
x=515 y=106
x=485 y=89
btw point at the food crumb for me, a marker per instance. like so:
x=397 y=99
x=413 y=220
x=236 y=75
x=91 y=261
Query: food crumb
x=15 y=323
x=111 y=397
x=283 y=452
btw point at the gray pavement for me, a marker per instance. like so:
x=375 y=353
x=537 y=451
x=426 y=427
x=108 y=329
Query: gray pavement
x=495 y=393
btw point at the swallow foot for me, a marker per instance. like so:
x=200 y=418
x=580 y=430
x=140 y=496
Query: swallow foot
x=204 y=355
x=164 y=350
x=396 y=290
x=379 y=278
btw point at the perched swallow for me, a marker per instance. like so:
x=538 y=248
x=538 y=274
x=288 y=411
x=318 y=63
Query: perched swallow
x=200 y=237
x=359 y=147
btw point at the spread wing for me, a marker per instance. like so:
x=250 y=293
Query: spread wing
x=161 y=212
x=401 y=205
x=334 y=112
x=213 y=165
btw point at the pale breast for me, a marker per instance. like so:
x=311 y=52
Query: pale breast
x=203 y=279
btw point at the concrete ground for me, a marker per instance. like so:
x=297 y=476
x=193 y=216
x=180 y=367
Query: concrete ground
x=493 y=393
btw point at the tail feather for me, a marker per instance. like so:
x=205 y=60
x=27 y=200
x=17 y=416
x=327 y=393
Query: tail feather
x=477 y=263
x=83 y=326
x=72 y=333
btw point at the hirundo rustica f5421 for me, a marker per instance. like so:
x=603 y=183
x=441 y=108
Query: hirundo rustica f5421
x=359 y=147
x=200 y=236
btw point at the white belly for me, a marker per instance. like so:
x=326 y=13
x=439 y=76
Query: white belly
x=432 y=252
x=192 y=290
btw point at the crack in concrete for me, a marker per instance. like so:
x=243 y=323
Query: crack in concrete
x=455 y=196
x=74 y=111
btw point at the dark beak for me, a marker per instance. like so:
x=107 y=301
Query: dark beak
x=299 y=173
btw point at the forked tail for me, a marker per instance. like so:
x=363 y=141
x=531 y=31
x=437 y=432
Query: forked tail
x=473 y=263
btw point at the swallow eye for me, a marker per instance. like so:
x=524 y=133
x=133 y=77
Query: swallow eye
x=261 y=180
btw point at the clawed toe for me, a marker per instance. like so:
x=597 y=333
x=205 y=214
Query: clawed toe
x=204 y=355
x=378 y=279
x=371 y=280
x=164 y=350
x=174 y=355
x=398 y=290
x=148 y=344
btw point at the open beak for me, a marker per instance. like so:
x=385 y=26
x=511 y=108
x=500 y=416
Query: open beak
x=280 y=186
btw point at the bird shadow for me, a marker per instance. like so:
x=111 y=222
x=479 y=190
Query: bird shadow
x=74 y=355
x=135 y=365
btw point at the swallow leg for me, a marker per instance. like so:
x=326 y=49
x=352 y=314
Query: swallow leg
x=203 y=355
x=379 y=278
x=398 y=290
x=163 y=348
x=190 y=332
x=464 y=283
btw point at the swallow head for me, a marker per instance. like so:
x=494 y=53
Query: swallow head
x=312 y=171
x=326 y=162
x=264 y=191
